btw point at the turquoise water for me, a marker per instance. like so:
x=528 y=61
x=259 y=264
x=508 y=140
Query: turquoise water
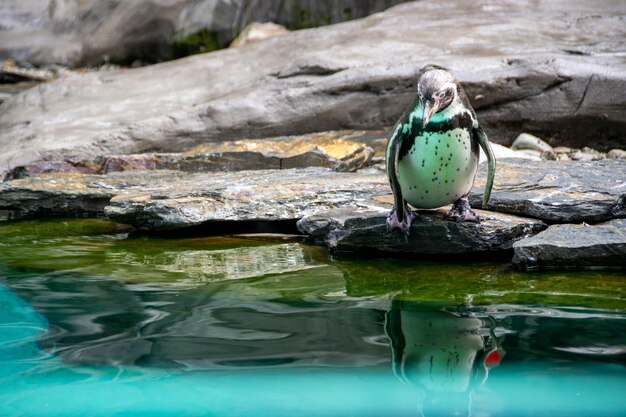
x=97 y=321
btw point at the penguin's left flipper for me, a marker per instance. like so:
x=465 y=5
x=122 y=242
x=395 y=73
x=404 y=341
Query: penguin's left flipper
x=480 y=136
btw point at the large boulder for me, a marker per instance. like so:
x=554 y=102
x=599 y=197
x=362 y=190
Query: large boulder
x=75 y=32
x=562 y=80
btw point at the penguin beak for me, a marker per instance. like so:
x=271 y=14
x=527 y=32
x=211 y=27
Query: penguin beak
x=429 y=110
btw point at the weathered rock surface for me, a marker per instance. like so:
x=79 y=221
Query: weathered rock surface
x=72 y=194
x=546 y=190
x=563 y=191
x=74 y=32
x=365 y=230
x=563 y=80
x=270 y=195
x=338 y=150
x=574 y=245
x=169 y=199
x=335 y=150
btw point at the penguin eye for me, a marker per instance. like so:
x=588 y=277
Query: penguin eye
x=440 y=95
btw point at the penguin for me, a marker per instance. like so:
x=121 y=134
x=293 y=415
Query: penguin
x=432 y=154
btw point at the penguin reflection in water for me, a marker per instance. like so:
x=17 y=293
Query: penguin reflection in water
x=432 y=155
x=446 y=356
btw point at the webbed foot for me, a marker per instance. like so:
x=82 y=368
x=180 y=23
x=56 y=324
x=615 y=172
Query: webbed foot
x=393 y=222
x=462 y=212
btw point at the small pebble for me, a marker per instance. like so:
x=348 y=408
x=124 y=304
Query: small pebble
x=528 y=141
x=548 y=155
x=562 y=149
x=616 y=154
x=582 y=156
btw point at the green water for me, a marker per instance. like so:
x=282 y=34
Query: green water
x=97 y=321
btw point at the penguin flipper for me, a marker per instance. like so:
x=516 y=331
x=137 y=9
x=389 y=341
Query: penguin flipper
x=391 y=158
x=481 y=137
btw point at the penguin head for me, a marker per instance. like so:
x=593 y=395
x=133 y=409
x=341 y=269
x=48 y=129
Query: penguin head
x=436 y=90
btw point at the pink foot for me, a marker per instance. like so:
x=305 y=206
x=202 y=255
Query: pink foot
x=461 y=212
x=405 y=225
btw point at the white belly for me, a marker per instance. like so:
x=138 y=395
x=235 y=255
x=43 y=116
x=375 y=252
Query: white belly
x=438 y=170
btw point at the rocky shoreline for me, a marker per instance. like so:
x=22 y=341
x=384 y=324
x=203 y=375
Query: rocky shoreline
x=531 y=204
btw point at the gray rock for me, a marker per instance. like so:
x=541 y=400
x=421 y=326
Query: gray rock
x=557 y=191
x=587 y=154
x=574 y=245
x=528 y=141
x=350 y=229
x=562 y=80
x=9 y=90
x=339 y=150
x=271 y=195
x=171 y=200
x=616 y=154
x=551 y=191
x=90 y=32
x=71 y=194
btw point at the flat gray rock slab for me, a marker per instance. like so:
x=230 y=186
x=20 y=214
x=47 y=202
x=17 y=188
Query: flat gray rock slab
x=554 y=68
x=352 y=229
x=574 y=245
x=171 y=200
x=268 y=195
x=562 y=192
x=73 y=194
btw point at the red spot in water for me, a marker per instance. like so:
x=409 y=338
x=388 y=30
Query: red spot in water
x=493 y=358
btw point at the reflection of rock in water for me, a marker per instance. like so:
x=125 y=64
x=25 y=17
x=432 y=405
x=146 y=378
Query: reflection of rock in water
x=226 y=264
x=443 y=354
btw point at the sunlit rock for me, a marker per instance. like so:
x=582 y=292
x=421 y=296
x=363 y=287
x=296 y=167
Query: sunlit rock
x=339 y=150
x=256 y=32
x=556 y=191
